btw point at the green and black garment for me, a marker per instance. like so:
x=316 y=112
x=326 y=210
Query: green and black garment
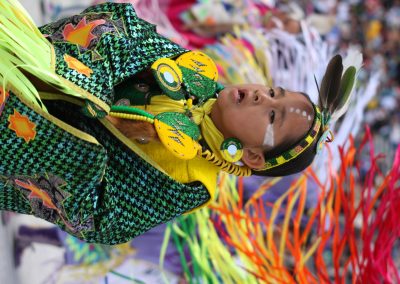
x=59 y=161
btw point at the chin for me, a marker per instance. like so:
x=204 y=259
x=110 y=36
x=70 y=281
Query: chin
x=222 y=100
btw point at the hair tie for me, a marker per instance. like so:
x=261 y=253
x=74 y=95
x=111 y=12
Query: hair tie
x=327 y=134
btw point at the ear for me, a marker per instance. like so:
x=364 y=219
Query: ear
x=253 y=157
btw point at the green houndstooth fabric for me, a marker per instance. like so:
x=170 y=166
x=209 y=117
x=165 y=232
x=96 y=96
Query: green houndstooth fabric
x=53 y=156
x=101 y=193
x=98 y=193
x=118 y=45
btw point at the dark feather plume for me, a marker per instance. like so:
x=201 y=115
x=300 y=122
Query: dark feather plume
x=331 y=83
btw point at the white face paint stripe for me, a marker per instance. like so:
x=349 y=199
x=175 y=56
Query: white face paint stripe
x=269 y=136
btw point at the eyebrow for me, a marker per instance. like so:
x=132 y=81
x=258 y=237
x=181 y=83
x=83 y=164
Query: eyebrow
x=282 y=93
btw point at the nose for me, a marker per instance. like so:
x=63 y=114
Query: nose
x=262 y=97
x=257 y=97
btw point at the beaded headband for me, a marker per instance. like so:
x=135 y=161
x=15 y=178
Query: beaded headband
x=299 y=148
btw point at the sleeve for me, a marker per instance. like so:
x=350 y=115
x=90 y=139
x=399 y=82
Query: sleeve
x=102 y=47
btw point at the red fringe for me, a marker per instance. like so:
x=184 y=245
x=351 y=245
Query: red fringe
x=357 y=223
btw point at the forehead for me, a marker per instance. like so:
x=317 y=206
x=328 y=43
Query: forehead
x=299 y=118
x=300 y=98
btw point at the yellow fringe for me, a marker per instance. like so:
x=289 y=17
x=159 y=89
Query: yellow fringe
x=24 y=48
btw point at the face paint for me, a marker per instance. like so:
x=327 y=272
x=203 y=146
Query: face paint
x=269 y=136
x=299 y=112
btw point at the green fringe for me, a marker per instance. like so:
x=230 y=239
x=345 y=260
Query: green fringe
x=23 y=49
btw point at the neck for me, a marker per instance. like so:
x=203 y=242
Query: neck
x=216 y=119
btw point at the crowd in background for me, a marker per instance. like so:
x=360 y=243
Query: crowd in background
x=373 y=26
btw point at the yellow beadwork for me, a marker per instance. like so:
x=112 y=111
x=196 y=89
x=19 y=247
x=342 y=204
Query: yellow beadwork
x=230 y=168
x=232 y=158
x=189 y=103
x=199 y=62
x=168 y=73
x=281 y=160
x=180 y=144
x=131 y=116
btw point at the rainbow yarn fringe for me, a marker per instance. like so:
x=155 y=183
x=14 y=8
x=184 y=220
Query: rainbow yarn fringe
x=350 y=236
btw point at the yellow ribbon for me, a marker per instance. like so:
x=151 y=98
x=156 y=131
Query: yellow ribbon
x=200 y=116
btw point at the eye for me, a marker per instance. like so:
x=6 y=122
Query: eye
x=271 y=93
x=272 y=116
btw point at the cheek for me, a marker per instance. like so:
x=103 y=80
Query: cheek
x=252 y=131
x=246 y=124
x=243 y=121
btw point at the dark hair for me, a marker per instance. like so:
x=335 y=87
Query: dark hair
x=295 y=165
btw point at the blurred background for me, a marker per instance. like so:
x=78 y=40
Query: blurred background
x=343 y=233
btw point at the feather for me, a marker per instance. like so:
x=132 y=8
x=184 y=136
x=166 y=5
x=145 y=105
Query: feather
x=353 y=58
x=346 y=87
x=331 y=82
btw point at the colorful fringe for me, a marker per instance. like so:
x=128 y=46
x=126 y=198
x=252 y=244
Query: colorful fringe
x=23 y=49
x=350 y=236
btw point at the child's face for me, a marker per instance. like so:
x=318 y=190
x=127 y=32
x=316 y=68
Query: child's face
x=262 y=118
